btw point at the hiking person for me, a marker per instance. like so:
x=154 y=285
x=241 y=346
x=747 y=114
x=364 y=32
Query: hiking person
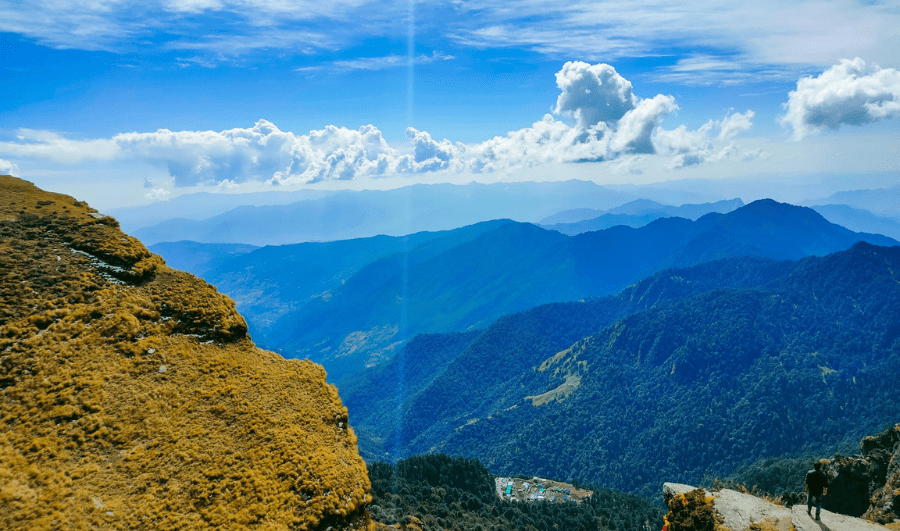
x=816 y=486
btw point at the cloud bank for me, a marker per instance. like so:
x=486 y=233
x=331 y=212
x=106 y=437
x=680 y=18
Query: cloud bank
x=606 y=121
x=260 y=153
x=597 y=117
x=848 y=93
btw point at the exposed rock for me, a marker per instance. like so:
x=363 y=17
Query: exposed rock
x=739 y=511
x=867 y=485
x=673 y=489
x=743 y=512
x=829 y=521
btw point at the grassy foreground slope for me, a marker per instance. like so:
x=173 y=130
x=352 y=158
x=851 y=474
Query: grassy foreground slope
x=132 y=398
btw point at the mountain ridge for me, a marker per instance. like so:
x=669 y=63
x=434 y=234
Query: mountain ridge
x=496 y=270
x=416 y=208
x=610 y=402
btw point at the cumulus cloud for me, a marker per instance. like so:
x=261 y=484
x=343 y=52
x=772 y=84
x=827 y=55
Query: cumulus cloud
x=690 y=148
x=546 y=141
x=260 y=153
x=848 y=93
x=8 y=168
x=635 y=127
x=597 y=117
x=158 y=194
x=735 y=124
x=593 y=93
x=431 y=155
x=608 y=122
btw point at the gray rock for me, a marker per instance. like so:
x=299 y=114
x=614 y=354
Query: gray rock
x=674 y=489
x=743 y=512
x=829 y=521
x=739 y=511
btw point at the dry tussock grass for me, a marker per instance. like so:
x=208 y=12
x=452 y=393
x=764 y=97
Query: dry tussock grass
x=132 y=398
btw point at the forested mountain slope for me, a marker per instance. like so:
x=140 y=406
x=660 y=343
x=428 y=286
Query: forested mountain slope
x=693 y=384
x=437 y=492
x=432 y=364
x=307 y=301
x=132 y=398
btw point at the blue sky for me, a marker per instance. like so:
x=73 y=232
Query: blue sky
x=125 y=102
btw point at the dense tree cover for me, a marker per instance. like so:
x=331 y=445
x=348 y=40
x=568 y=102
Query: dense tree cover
x=352 y=304
x=425 y=374
x=692 y=385
x=442 y=493
x=780 y=478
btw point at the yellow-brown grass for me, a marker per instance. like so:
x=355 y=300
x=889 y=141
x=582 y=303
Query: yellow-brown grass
x=132 y=398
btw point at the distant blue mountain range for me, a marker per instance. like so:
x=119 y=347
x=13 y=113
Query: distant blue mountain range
x=352 y=304
x=636 y=213
x=360 y=214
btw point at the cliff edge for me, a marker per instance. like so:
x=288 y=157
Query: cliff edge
x=729 y=510
x=131 y=396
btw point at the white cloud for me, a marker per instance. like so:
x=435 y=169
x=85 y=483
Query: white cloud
x=431 y=155
x=52 y=146
x=546 y=141
x=735 y=124
x=610 y=122
x=260 y=153
x=742 y=41
x=602 y=120
x=8 y=168
x=848 y=93
x=745 y=41
x=389 y=61
x=634 y=129
x=158 y=194
x=592 y=93
x=691 y=148
x=230 y=28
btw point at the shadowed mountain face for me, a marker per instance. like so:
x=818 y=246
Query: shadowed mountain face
x=352 y=304
x=688 y=373
x=132 y=398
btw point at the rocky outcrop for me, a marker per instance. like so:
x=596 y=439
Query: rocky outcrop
x=131 y=396
x=829 y=521
x=745 y=512
x=867 y=485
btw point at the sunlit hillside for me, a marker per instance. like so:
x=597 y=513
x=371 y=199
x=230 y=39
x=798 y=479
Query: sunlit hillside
x=131 y=396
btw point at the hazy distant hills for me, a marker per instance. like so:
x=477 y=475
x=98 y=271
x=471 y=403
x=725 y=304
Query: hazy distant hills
x=636 y=213
x=688 y=372
x=348 y=214
x=860 y=220
x=353 y=303
x=881 y=201
x=203 y=205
